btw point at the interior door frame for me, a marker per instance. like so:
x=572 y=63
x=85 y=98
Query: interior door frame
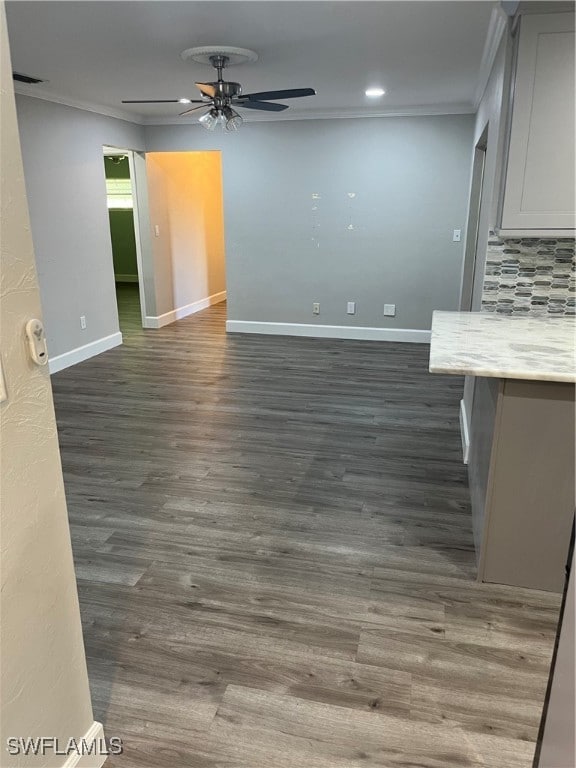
x=473 y=224
x=107 y=151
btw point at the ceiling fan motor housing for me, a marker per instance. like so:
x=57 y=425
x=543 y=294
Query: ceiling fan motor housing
x=227 y=90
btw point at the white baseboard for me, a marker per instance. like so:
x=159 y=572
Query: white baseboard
x=330 y=331
x=464 y=432
x=93 y=736
x=126 y=278
x=159 y=321
x=79 y=354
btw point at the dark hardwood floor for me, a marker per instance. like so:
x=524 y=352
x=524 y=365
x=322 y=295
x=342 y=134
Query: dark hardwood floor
x=274 y=555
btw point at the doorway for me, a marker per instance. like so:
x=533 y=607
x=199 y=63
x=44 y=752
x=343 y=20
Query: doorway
x=470 y=254
x=123 y=221
x=186 y=212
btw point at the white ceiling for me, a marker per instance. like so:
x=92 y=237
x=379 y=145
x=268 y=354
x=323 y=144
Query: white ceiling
x=427 y=55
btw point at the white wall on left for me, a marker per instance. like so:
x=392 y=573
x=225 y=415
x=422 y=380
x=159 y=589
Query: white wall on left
x=65 y=181
x=43 y=678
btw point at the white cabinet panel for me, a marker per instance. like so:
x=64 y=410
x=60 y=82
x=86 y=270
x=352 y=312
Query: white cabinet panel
x=539 y=192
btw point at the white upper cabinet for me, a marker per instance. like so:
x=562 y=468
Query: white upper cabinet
x=539 y=187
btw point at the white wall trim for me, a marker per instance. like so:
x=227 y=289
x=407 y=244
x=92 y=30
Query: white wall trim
x=126 y=278
x=330 y=331
x=496 y=28
x=94 y=734
x=418 y=110
x=38 y=92
x=79 y=354
x=464 y=432
x=160 y=321
x=138 y=236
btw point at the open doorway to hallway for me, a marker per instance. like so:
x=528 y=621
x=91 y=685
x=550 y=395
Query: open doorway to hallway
x=167 y=234
x=185 y=202
x=121 y=202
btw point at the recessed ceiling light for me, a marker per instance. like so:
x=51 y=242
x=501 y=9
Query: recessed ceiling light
x=185 y=101
x=374 y=93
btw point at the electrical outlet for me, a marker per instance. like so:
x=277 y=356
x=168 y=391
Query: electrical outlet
x=351 y=308
x=83 y=322
x=456 y=235
x=316 y=308
x=389 y=310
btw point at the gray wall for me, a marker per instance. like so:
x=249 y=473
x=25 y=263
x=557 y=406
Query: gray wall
x=410 y=178
x=65 y=182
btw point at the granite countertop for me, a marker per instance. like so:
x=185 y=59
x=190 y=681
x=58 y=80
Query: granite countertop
x=504 y=346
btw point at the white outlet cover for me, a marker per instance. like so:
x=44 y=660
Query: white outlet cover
x=456 y=235
x=351 y=308
x=389 y=310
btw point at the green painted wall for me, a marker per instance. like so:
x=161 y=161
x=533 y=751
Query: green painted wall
x=122 y=226
x=119 y=170
x=123 y=242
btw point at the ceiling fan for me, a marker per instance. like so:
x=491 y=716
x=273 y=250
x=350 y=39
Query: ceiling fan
x=221 y=97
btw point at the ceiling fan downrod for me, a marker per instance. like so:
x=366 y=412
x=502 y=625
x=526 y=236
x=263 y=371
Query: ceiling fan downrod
x=219 y=62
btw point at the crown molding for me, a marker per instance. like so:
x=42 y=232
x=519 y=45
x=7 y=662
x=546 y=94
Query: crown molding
x=423 y=110
x=497 y=26
x=418 y=110
x=37 y=92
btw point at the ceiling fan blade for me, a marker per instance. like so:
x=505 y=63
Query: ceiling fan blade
x=207 y=89
x=293 y=93
x=193 y=109
x=161 y=101
x=266 y=106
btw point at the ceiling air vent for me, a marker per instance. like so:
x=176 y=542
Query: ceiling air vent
x=20 y=78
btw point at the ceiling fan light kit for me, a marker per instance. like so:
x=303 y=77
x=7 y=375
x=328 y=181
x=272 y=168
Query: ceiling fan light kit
x=222 y=96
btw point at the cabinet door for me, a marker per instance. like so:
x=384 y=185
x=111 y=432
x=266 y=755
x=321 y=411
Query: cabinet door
x=539 y=191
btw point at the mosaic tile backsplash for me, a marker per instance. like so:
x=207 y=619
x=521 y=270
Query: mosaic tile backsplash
x=530 y=276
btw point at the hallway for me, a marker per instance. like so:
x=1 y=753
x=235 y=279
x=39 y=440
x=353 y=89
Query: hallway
x=275 y=564
x=129 y=314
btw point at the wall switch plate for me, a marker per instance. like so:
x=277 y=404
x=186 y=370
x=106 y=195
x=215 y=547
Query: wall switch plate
x=156 y=230
x=351 y=308
x=389 y=310
x=83 y=322
x=456 y=235
x=37 y=341
x=3 y=392
x=316 y=308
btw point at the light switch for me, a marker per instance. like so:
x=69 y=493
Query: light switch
x=156 y=230
x=456 y=235
x=351 y=308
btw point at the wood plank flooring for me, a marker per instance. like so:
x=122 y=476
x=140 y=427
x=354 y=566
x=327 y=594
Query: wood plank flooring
x=275 y=563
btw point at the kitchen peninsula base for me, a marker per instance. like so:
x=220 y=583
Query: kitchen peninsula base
x=521 y=426
x=521 y=473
